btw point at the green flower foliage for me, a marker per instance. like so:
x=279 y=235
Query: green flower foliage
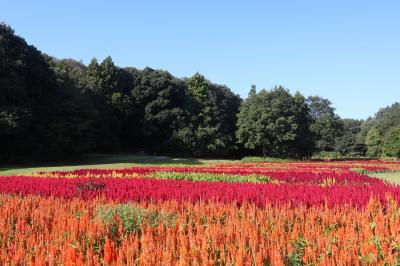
x=132 y=218
x=212 y=177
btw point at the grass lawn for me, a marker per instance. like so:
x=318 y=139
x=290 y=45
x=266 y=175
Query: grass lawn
x=392 y=177
x=102 y=161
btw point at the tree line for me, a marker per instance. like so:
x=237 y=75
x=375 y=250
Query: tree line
x=54 y=108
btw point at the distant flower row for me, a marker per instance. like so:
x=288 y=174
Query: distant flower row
x=292 y=173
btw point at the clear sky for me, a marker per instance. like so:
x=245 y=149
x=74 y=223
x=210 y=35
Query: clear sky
x=347 y=51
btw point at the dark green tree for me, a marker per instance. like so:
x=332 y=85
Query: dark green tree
x=384 y=121
x=387 y=118
x=326 y=126
x=347 y=144
x=27 y=90
x=93 y=123
x=304 y=142
x=373 y=140
x=92 y=75
x=69 y=72
x=391 y=146
x=156 y=99
x=108 y=79
x=275 y=123
x=102 y=78
x=213 y=109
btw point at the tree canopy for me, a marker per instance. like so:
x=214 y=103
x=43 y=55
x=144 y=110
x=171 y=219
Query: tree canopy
x=51 y=108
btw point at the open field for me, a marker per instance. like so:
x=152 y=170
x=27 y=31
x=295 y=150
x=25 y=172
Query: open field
x=175 y=212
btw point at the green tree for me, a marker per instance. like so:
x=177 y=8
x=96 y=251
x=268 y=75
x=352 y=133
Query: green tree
x=103 y=78
x=347 y=143
x=69 y=72
x=391 y=145
x=156 y=110
x=326 y=126
x=92 y=75
x=198 y=87
x=108 y=80
x=384 y=121
x=86 y=121
x=304 y=143
x=211 y=126
x=373 y=140
x=27 y=89
x=387 y=118
x=275 y=123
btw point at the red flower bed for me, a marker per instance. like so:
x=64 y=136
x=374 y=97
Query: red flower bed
x=156 y=190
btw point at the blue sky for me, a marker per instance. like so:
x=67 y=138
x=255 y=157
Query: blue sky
x=347 y=51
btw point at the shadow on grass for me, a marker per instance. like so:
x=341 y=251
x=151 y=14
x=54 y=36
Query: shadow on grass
x=136 y=159
x=101 y=161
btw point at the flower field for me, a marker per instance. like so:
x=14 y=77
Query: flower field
x=289 y=213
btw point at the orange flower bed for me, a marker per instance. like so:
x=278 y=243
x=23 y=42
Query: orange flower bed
x=52 y=231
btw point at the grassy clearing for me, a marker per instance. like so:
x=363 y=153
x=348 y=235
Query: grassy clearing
x=391 y=177
x=103 y=161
